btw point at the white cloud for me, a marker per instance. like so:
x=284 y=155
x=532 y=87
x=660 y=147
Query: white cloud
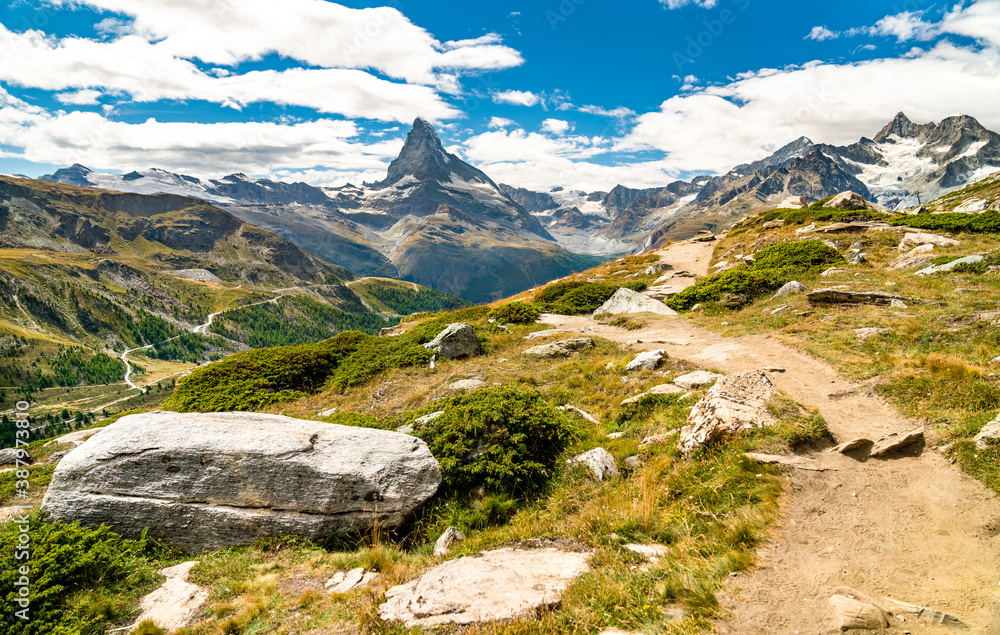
x=85 y=97
x=904 y=27
x=718 y=127
x=676 y=4
x=820 y=33
x=980 y=21
x=500 y=122
x=516 y=97
x=556 y=126
x=621 y=112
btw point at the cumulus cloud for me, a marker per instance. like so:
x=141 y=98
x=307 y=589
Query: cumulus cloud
x=820 y=33
x=905 y=27
x=500 y=122
x=556 y=126
x=516 y=97
x=620 y=113
x=86 y=97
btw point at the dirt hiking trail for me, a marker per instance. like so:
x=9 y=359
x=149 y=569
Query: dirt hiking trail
x=911 y=527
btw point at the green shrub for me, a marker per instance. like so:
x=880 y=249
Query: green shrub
x=819 y=214
x=79 y=577
x=515 y=313
x=574 y=297
x=148 y=627
x=504 y=438
x=773 y=267
x=984 y=223
x=360 y=420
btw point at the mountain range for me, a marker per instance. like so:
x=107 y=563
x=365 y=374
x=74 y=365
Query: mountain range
x=441 y=222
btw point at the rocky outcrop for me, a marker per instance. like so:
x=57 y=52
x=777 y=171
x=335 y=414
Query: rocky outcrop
x=562 y=348
x=897 y=441
x=842 y=296
x=647 y=360
x=498 y=585
x=176 y=602
x=456 y=341
x=207 y=481
x=915 y=239
x=949 y=266
x=697 y=379
x=626 y=301
x=599 y=462
x=789 y=288
x=848 y=200
x=734 y=404
x=10 y=456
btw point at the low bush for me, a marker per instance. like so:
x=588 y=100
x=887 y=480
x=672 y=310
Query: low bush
x=505 y=439
x=574 y=297
x=773 y=267
x=814 y=214
x=515 y=313
x=984 y=223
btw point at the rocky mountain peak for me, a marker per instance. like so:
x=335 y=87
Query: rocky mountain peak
x=901 y=126
x=422 y=157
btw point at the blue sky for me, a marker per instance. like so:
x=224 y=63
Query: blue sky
x=579 y=93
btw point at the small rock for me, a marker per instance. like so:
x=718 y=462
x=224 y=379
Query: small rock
x=793 y=202
x=658 y=267
x=847 y=200
x=990 y=431
x=923 y=249
x=789 y=288
x=537 y=334
x=664 y=389
x=733 y=300
x=735 y=403
x=466 y=384
x=855 y=614
x=995 y=360
x=897 y=441
x=832 y=271
x=345 y=582
x=627 y=302
x=456 y=341
x=856 y=258
x=599 y=461
x=853 y=444
x=589 y=417
x=805 y=230
x=405 y=429
x=772 y=224
x=326 y=413
x=865 y=333
x=444 y=542
x=616 y=435
x=909 y=261
x=658 y=438
x=633 y=462
x=912 y=239
x=647 y=360
x=10 y=456
x=897 y=304
x=653 y=552
x=968 y=260
x=174 y=604
x=696 y=380
x=562 y=348
x=76 y=438
x=427 y=418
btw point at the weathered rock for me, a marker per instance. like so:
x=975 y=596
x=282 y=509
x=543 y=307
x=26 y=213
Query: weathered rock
x=562 y=348
x=646 y=360
x=696 y=380
x=548 y=333
x=844 y=228
x=457 y=340
x=652 y=552
x=662 y=389
x=871 y=331
x=853 y=444
x=910 y=261
x=356 y=578
x=633 y=462
x=847 y=200
x=733 y=300
x=76 y=438
x=991 y=431
x=735 y=403
x=794 y=462
x=323 y=414
x=912 y=239
x=662 y=292
x=626 y=301
x=444 y=542
x=856 y=258
x=657 y=439
x=599 y=461
x=428 y=418
x=897 y=441
x=176 y=602
x=467 y=385
x=10 y=456
x=843 y=296
x=967 y=260
x=586 y=415
x=832 y=271
x=499 y=585
x=207 y=481
x=658 y=267
x=789 y=288
x=855 y=614
x=793 y=202
x=704 y=237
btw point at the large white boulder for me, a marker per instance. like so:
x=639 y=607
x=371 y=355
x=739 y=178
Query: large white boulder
x=848 y=200
x=207 y=481
x=498 y=585
x=455 y=341
x=734 y=404
x=626 y=301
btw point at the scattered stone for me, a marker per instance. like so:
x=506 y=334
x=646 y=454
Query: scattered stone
x=832 y=271
x=855 y=258
x=326 y=413
x=537 y=334
x=909 y=261
x=847 y=200
x=444 y=542
x=855 y=614
x=652 y=552
x=913 y=239
x=633 y=462
x=428 y=418
x=793 y=202
x=499 y=585
x=735 y=403
x=583 y=414
x=616 y=435
x=897 y=441
x=599 y=461
x=968 y=260
x=562 y=348
x=696 y=380
x=923 y=249
x=704 y=238
x=773 y=369
x=664 y=389
x=990 y=431
x=897 y=304
x=626 y=302
x=456 y=341
x=647 y=360
x=356 y=578
x=865 y=333
x=658 y=267
x=667 y=276
x=467 y=385
x=796 y=462
x=789 y=288
x=10 y=456
x=213 y=480
x=995 y=361
x=684 y=274
x=853 y=444
x=733 y=300
x=780 y=309
x=843 y=296
x=805 y=230
x=772 y=224
x=176 y=602
x=662 y=292
x=656 y=439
